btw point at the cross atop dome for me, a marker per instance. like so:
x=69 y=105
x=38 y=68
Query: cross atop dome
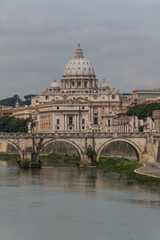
x=78 y=52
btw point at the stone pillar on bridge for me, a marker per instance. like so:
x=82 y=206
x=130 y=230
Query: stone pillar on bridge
x=152 y=149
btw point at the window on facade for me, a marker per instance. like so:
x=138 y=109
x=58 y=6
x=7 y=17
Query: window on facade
x=83 y=107
x=95 y=120
x=57 y=107
x=70 y=128
x=83 y=121
x=83 y=127
x=72 y=83
x=79 y=84
x=57 y=127
x=113 y=96
x=70 y=120
x=58 y=121
x=95 y=109
x=85 y=84
x=47 y=97
x=109 y=123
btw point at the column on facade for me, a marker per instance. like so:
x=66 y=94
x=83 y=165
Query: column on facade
x=65 y=122
x=64 y=125
x=78 y=122
x=76 y=84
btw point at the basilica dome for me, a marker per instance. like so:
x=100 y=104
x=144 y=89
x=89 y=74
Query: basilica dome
x=79 y=65
x=54 y=84
x=103 y=84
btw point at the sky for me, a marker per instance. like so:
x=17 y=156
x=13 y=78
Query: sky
x=121 y=38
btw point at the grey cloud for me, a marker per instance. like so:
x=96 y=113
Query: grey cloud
x=31 y=26
x=155 y=7
x=34 y=51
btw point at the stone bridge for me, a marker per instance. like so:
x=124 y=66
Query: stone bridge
x=146 y=147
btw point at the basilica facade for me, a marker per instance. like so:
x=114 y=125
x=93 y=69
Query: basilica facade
x=80 y=103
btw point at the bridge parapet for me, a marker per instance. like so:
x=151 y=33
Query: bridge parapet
x=76 y=135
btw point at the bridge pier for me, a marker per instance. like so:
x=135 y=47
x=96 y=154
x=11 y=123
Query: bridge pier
x=29 y=160
x=86 y=161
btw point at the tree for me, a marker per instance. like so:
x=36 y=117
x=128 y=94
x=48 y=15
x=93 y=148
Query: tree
x=90 y=153
x=11 y=101
x=144 y=110
x=28 y=99
x=12 y=124
x=141 y=128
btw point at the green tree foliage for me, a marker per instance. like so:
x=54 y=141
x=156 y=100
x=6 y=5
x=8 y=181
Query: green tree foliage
x=12 y=124
x=11 y=101
x=144 y=110
x=28 y=99
x=141 y=128
x=90 y=152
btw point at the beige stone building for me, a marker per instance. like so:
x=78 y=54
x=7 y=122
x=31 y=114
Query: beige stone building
x=143 y=95
x=64 y=115
x=59 y=107
x=156 y=117
x=25 y=112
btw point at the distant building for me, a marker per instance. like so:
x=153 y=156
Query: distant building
x=25 y=112
x=79 y=98
x=156 y=117
x=64 y=115
x=6 y=111
x=139 y=96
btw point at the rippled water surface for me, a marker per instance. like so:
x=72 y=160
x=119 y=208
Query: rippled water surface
x=66 y=203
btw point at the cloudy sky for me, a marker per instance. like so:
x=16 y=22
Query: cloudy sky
x=121 y=38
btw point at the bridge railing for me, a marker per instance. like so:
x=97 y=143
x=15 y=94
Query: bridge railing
x=74 y=135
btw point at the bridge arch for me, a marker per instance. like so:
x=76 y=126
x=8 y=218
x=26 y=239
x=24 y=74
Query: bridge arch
x=73 y=144
x=15 y=146
x=131 y=143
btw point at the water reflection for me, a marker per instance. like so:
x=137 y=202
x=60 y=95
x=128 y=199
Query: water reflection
x=71 y=203
x=91 y=182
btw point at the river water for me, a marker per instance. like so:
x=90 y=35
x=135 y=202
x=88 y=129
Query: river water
x=67 y=203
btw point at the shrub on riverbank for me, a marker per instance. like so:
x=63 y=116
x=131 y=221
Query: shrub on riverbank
x=126 y=167
x=25 y=163
x=119 y=165
x=10 y=156
x=147 y=180
x=60 y=157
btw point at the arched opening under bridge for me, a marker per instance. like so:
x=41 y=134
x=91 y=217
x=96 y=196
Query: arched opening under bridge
x=9 y=151
x=61 y=150
x=120 y=148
